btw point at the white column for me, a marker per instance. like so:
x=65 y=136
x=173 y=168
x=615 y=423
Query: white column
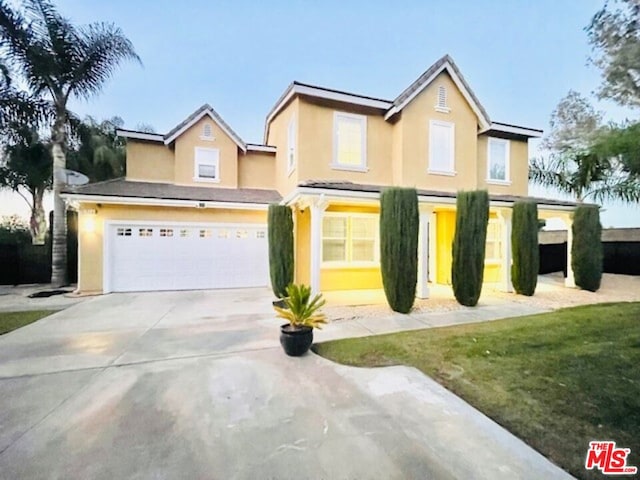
x=505 y=270
x=316 y=208
x=570 y=280
x=422 y=288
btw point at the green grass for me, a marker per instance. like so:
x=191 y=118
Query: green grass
x=556 y=380
x=11 y=320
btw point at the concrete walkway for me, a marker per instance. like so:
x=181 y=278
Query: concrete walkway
x=195 y=385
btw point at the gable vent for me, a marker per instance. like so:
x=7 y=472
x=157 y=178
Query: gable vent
x=207 y=131
x=441 y=105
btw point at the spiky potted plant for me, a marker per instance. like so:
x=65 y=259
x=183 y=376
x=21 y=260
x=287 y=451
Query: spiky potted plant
x=303 y=314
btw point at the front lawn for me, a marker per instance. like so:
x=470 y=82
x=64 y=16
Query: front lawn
x=556 y=380
x=12 y=320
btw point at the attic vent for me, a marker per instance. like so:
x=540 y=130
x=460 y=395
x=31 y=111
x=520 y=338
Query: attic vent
x=441 y=105
x=207 y=132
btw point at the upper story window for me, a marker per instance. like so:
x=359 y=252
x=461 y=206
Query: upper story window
x=349 y=239
x=291 y=145
x=441 y=101
x=206 y=165
x=207 y=132
x=349 y=142
x=441 y=147
x=498 y=160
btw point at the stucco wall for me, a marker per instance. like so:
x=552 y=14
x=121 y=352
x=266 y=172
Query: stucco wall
x=256 y=170
x=185 y=146
x=278 y=137
x=149 y=161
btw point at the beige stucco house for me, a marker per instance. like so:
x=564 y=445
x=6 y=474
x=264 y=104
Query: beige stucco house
x=191 y=211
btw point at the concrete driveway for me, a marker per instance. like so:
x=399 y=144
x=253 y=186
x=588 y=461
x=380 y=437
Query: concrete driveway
x=195 y=385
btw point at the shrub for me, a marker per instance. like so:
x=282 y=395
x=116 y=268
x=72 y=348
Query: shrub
x=524 y=243
x=586 y=252
x=467 y=268
x=399 y=224
x=280 y=227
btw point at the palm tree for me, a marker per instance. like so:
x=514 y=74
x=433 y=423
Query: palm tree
x=58 y=60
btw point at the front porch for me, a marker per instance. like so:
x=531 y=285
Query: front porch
x=337 y=242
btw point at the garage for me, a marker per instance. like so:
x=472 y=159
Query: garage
x=146 y=256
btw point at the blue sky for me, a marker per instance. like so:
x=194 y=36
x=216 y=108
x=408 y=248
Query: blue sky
x=520 y=57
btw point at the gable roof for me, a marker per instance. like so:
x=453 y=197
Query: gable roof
x=447 y=64
x=393 y=107
x=175 y=132
x=204 y=110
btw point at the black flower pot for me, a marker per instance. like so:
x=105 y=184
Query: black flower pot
x=295 y=341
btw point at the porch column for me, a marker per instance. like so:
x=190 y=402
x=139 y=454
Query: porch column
x=570 y=280
x=505 y=271
x=317 y=206
x=422 y=288
x=433 y=247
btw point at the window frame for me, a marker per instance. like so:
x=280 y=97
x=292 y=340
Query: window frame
x=292 y=144
x=197 y=163
x=452 y=161
x=507 y=161
x=335 y=164
x=348 y=263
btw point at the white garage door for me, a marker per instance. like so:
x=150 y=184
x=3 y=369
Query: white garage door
x=145 y=256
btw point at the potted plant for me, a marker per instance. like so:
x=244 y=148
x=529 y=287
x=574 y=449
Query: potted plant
x=302 y=313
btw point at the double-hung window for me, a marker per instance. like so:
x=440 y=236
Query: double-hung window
x=498 y=160
x=291 y=145
x=349 y=142
x=441 y=147
x=350 y=239
x=207 y=165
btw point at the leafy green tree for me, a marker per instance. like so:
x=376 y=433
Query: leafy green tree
x=399 y=225
x=524 y=242
x=58 y=60
x=614 y=34
x=280 y=234
x=97 y=151
x=573 y=166
x=586 y=251
x=469 y=240
x=27 y=166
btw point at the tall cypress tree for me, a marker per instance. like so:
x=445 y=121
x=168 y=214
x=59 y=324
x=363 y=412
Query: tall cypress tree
x=467 y=268
x=280 y=228
x=586 y=252
x=399 y=224
x=524 y=242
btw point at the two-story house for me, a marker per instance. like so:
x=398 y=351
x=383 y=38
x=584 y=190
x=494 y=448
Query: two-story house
x=191 y=211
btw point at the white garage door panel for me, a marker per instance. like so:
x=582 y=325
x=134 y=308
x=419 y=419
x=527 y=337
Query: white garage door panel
x=146 y=256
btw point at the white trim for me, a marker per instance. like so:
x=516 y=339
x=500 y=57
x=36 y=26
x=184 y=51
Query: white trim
x=161 y=202
x=296 y=89
x=346 y=195
x=446 y=173
x=214 y=163
x=528 y=132
x=211 y=115
x=261 y=148
x=507 y=161
x=442 y=109
x=452 y=146
x=362 y=119
x=152 y=137
x=106 y=235
x=484 y=121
